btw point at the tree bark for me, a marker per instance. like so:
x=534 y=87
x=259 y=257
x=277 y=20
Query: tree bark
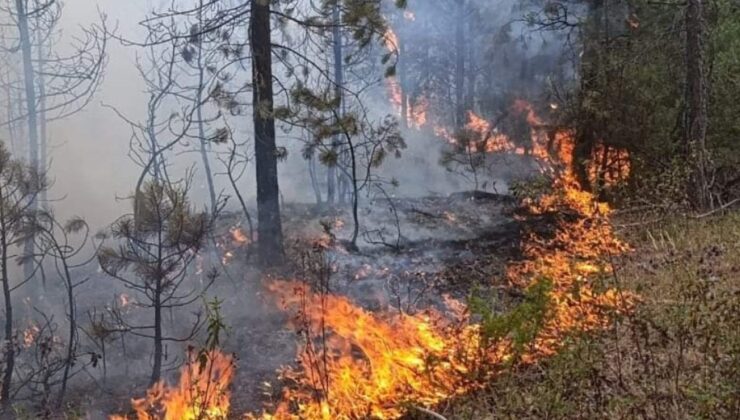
x=158 y=353
x=269 y=229
x=696 y=103
x=403 y=82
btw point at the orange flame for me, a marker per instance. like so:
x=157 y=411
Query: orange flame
x=371 y=363
x=416 y=111
x=202 y=394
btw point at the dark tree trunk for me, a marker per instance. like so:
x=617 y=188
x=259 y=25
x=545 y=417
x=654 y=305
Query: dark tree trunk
x=158 y=353
x=587 y=132
x=8 y=343
x=696 y=102
x=269 y=228
x=72 y=337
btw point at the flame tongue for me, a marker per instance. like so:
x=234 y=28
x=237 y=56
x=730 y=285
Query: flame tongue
x=369 y=364
x=202 y=393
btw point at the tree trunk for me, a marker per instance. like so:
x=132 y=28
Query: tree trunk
x=403 y=82
x=314 y=180
x=587 y=132
x=33 y=135
x=460 y=66
x=158 y=353
x=43 y=135
x=471 y=71
x=72 y=337
x=9 y=347
x=696 y=102
x=199 y=112
x=331 y=181
x=269 y=229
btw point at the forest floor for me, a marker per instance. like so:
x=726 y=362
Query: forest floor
x=446 y=246
x=677 y=356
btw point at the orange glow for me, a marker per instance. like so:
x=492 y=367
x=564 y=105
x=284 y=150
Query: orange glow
x=239 y=236
x=30 y=335
x=416 y=113
x=124 y=300
x=202 y=394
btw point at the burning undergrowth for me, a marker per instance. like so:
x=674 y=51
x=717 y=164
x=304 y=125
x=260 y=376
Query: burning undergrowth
x=359 y=364
x=202 y=393
x=354 y=362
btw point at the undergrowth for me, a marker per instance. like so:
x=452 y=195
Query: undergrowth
x=676 y=356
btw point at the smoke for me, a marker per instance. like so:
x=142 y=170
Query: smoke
x=91 y=169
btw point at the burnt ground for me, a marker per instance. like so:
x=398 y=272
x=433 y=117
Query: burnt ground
x=447 y=246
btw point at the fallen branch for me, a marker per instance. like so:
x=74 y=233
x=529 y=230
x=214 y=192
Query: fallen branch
x=642 y=223
x=430 y=413
x=425 y=213
x=717 y=210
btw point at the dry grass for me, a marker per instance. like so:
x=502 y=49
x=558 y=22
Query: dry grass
x=677 y=356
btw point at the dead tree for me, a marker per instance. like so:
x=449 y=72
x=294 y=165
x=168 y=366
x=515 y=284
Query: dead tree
x=165 y=126
x=154 y=250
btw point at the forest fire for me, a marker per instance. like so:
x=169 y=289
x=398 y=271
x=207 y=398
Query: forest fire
x=202 y=393
x=355 y=363
x=359 y=364
x=239 y=236
x=387 y=209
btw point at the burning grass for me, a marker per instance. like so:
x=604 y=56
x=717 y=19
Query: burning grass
x=676 y=355
x=202 y=392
